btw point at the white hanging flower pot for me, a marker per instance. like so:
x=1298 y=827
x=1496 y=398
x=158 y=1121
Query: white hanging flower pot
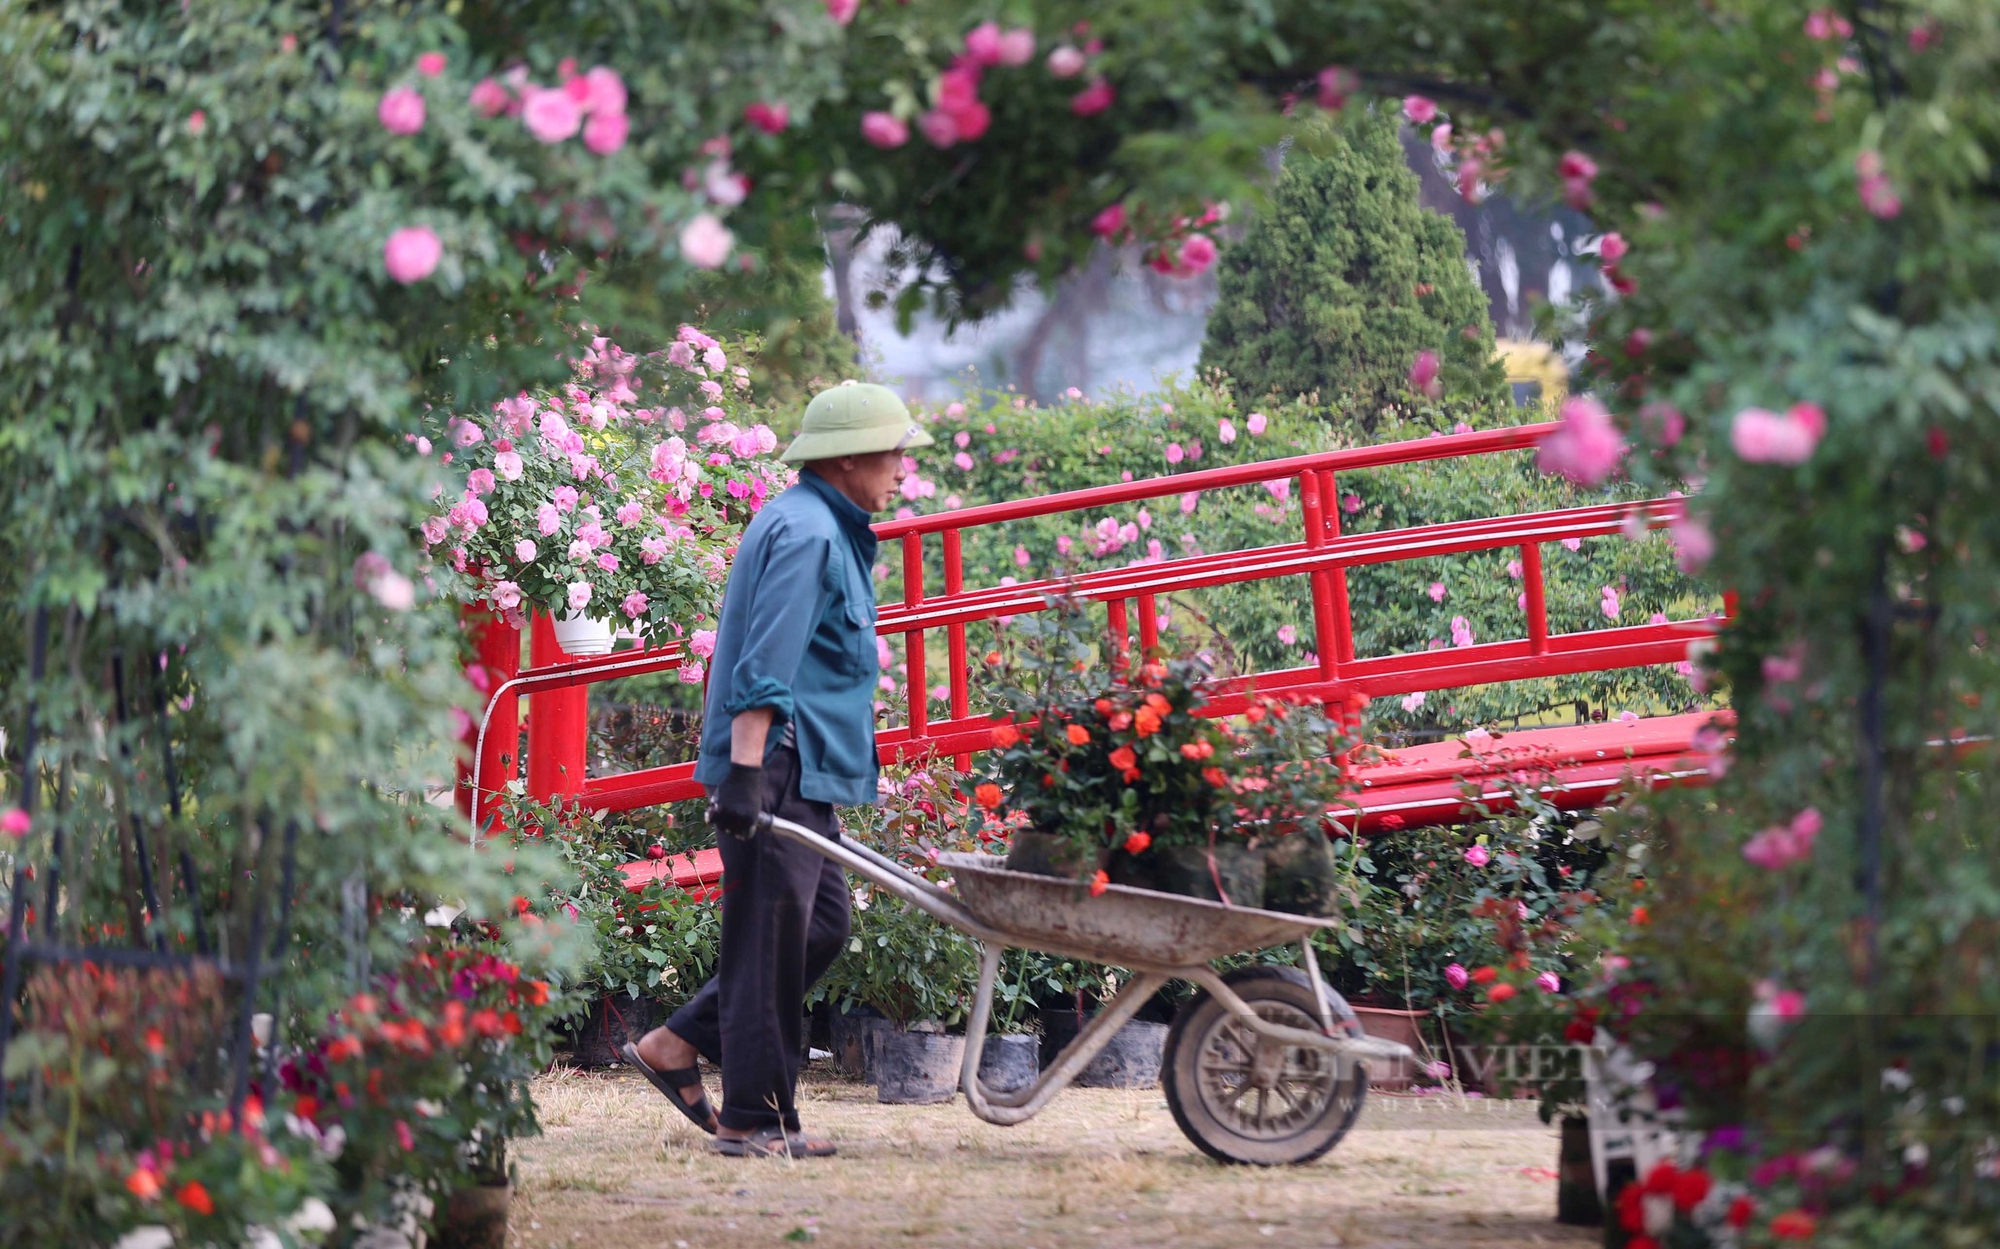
x=580 y=635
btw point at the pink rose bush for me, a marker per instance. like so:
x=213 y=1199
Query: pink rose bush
x=618 y=496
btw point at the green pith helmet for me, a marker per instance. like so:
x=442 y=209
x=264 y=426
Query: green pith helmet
x=854 y=418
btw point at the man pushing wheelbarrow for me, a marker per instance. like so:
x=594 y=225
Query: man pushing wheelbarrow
x=1161 y=849
x=788 y=730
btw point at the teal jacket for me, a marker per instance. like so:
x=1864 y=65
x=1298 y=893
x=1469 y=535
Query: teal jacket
x=797 y=635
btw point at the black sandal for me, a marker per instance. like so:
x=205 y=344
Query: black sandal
x=772 y=1142
x=670 y=1084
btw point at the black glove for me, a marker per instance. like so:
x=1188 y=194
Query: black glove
x=738 y=802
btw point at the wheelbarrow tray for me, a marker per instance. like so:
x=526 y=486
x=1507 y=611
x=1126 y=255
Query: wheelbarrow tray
x=1123 y=925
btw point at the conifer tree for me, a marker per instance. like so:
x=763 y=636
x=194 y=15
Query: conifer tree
x=1344 y=280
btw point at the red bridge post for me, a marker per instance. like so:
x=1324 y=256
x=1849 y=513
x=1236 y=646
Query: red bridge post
x=558 y=723
x=497 y=649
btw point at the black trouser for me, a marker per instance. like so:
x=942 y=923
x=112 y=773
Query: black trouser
x=784 y=919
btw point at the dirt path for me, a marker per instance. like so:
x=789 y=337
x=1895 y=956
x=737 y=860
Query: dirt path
x=618 y=1169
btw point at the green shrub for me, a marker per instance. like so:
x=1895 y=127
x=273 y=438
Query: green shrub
x=1339 y=284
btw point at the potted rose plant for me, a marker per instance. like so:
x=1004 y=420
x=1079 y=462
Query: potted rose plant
x=1130 y=783
x=612 y=502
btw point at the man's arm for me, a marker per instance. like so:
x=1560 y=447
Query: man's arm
x=747 y=731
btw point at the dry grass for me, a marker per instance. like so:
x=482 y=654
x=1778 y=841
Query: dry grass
x=619 y=1169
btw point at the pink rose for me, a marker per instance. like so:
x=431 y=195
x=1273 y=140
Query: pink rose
x=1094 y=99
x=401 y=111
x=702 y=642
x=579 y=595
x=982 y=43
x=884 y=130
x=605 y=133
x=489 y=98
x=939 y=127
x=480 y=481
x=842 y=11
x=412 y=254
x=551 y=116
x=1198 y=253
x=1336 y=83
x=705 y=241
x=1108 y=222
x=1424 y=372
x=547 y=519
x=1478 y=856
x=1256 y=424
x=15 y=823
x=508 y=464
x=768 y=117
x=606 y=91
x=635 y=605
x=1017 y=46
x=1612 y=248
x=1226 y=431
x=692 y=673
x=1549 y=982
x=1066 y=62
x=1456 y=976
x=505 y=596
x=1420 y=109
x=525 y=550
x=1437 y=591
x=431 y=64
x=1762 y=437
x=1587 y=447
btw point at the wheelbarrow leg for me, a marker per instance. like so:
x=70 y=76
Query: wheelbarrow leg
x=1319 y=985
x=1008 y=1109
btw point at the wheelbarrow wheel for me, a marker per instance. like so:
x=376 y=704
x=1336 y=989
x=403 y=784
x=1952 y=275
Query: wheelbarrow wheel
x=1242 y=1098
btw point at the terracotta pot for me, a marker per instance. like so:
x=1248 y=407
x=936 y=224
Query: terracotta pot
x=1392 y=1025
x=474 y=1217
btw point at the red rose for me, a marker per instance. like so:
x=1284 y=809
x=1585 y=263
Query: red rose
x=196 y=1198
x=1485 y=975
x=1005 y=735
x=1100 y=882
x=1500 y=993
x=1136 y=843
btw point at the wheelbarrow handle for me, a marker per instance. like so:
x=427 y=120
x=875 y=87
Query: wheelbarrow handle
x=884 y=873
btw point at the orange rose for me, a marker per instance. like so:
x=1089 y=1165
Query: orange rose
x=1120 y=722
x=1159 y=704
x=1124 y=760
x=1147 y=721
x=1215 y=777
x=1197 y=750
x=1103 y=706
x=1100 y=882
x=1641 y=917
x=1005 y=735
x=1500 y=993
x=1485 y=975
x=144 y=1184
x=1136 y=843
x=988 y=795
x=1078 y=735
x=1794 y=1225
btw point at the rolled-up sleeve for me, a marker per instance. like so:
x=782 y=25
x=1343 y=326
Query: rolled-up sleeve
x=788 y=596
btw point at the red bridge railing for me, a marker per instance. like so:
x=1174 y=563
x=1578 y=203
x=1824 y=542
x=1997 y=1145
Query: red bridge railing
x=557 y=728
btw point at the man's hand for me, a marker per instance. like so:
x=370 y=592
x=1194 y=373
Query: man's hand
x=738 y=801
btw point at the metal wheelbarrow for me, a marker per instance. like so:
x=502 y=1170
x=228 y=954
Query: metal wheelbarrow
x=1266 y=1065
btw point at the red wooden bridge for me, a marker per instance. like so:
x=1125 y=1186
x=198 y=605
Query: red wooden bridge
x=1575 y=766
